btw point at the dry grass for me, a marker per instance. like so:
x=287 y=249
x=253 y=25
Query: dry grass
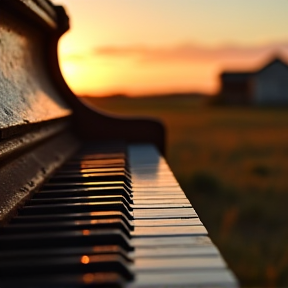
x=233 y=165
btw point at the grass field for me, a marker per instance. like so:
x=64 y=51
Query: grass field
x=233 y=165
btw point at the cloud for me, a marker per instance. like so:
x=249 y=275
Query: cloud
x=190 y=52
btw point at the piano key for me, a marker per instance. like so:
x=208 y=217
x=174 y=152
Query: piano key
x=87 y=280
x=155 y=184
x=171 y=231
x=92 y=170
x=153 y=206
x=79 y=192
x=142 y=173
x=65 y=239
x=97 y=156
x=73 y=216
x=175 y=251
x=64 y=251
x=159 y=201
x=154 y=177
x=185 y=279
x=171 y=241
x=66 y=264
x=121 y=164
x=154 y=264
x=164 y=213
x=151 y=196
x=84 y=180
x=104 y=177
x=162 y=188
x=84 y=185
x=167 y=222
x=77 y=208
x=79 y=199
x=66 y=226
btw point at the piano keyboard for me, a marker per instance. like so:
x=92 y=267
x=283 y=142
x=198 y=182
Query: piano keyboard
x=112 y=220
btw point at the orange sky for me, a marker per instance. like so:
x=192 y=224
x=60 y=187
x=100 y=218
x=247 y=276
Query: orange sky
x=142 y=47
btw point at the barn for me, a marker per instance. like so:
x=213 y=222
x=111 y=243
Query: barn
x=266 y=86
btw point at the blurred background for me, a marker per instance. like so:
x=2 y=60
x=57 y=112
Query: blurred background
x=215 y=72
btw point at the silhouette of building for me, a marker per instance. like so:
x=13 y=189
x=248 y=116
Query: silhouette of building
x=267 y=86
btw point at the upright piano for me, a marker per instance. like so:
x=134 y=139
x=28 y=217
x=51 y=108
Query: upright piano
x=86 y=199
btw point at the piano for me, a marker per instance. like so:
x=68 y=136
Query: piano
x=86 y=199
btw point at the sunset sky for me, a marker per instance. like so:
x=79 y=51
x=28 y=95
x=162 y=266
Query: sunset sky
x=139 y=47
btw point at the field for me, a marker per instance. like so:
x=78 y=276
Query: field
x=232 y=163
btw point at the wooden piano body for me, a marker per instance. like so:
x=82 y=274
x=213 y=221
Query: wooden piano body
x=86 y=199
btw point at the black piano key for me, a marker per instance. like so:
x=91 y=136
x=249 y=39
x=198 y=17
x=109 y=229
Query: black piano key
x=66 y=226
x=77 y=208
x=79 y=199
x=91 y=173
x=96 y=156
x=94 y=166
x=73 y=216
x=82 y=238
x=65 y=265
x=85 y=280
x=92 y=170
x=80 y=192
x=100 y=177
x=64 y=251
x=69 y=185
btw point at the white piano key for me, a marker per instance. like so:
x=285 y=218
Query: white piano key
x=154 y=264
x=171 y=231
x=175 y=251
x=162 y=188
x=154 y=183
x=185 y=279
x=160 y=201
x=152 y=196
x=171 y=241
x=167 y=222
x=160 y=206
x=164 y=213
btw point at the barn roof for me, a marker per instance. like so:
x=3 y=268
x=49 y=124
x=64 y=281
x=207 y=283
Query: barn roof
x=276 y=60
x=244 y=75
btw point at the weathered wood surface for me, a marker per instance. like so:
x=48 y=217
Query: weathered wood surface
x=23 y=175
x=27 y=95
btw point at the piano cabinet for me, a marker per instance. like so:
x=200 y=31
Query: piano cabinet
x=86 y=198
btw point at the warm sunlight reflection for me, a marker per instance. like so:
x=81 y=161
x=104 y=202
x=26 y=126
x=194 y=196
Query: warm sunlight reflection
x=88 y=278
x=85 y=259
x=86 y=232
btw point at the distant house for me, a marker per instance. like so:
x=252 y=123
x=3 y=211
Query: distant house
x=267 y=86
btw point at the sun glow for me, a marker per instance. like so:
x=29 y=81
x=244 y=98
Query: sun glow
x=182 y=48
